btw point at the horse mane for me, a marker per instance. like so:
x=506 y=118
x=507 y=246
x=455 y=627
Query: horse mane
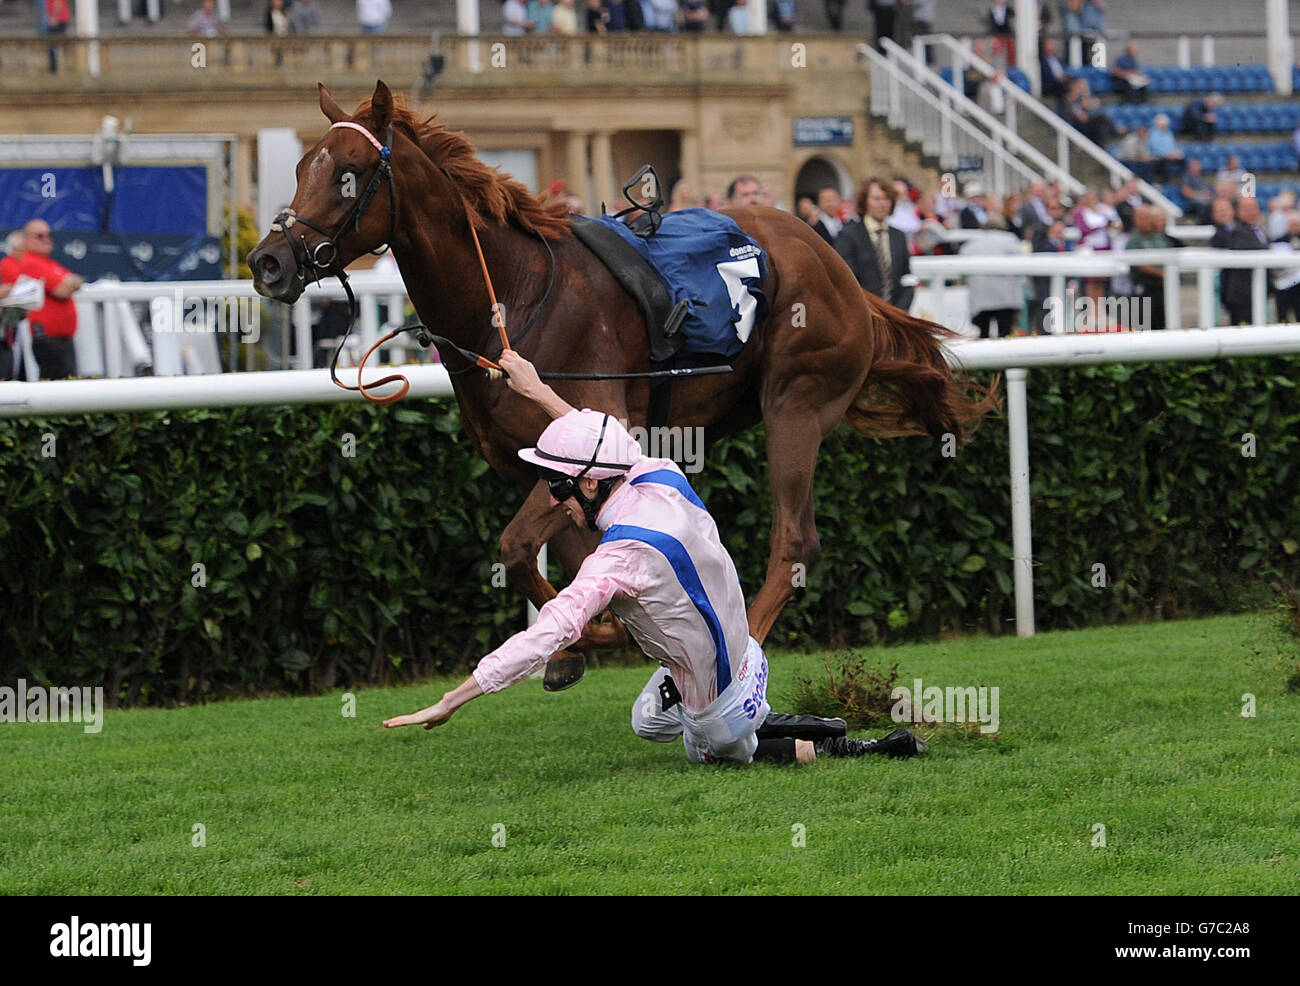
x=494 y=199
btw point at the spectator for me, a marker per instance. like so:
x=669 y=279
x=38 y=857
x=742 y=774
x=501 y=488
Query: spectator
x=1286 y=285
x=829 y=225
x=515 y=22
x=1011 y=206
x=1055 y=76
x=204 y=22
x=923 y=17
x=1034 y=216
x=564 y=20
x=683 y=196
x=991 y=97
x=1223 y=214
x=1135 y=151
x=277 y=19
x=976 y=214
x=805 y=207
x=882 y=12
x=905 y=218
x=835 y=13
x=373 y=15
x=1231 y=173
x=1093 y=20
x=1149 y=279
x=1126 y=202
x=598 y=17
x=54 y=324
x=1093 y=220
x=9 y=272
x=995 y=299
x=1244 y=234
x=972 y=78
x=738 y=17
x=1201 y=118
x=781 y=15
x=1279 y=210
x=695 y=14
x=1196 y=193
x=1072 y=22
x=1130 y=81
x=1001 y=20
x=623 y=15
x=876 y=252
x=1048 y=239
x=305 y=17
x=715 y=200
x=743 y=190
x=1164 y=149
x=58 y=15
x=663 y=15
x=540 y=13
x=1083 y=112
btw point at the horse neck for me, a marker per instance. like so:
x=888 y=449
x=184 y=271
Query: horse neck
x=435 y=251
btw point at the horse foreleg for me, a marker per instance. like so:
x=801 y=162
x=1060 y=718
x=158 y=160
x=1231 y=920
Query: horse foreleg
x=795 y=430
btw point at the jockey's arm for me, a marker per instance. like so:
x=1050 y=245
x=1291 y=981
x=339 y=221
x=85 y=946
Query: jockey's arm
x=524 y=380
x=610 y=570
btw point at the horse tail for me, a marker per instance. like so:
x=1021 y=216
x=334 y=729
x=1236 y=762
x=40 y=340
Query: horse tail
x=910 y=389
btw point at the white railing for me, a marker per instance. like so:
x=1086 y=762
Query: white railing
x=1060 y=266
x=18 y=400
x=1015 y=355
x=189 y=319
x=939 y=127
x=960 y=55
x=1001 y=135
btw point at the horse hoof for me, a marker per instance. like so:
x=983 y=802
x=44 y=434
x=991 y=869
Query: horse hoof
x=564 y=671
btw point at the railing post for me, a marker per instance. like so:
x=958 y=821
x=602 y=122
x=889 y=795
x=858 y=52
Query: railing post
x=1184 y=51
x=1207 y=50
x=1259 y=296
x=1173 y=295
x=304 y=358
x=1022 y=547
x=1207 y=310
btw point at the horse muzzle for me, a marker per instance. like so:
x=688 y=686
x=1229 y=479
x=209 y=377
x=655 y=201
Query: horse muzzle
x=277 y=273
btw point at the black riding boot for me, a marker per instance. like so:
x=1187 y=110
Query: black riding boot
x=779 y=725
x=898 y=744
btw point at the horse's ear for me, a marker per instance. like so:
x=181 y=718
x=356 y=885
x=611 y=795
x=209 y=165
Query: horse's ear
x=332 y=110
x=381 y=107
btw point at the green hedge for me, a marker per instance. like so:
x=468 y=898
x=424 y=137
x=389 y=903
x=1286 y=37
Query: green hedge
x=324 y=569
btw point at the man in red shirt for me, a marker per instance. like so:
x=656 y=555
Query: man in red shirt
x=54 y=325
x=9 y=319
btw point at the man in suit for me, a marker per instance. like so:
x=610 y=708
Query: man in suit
x=1052 y=70
x=828 y=223
x=874 y=250
x=1246 y=233
x=976 y=213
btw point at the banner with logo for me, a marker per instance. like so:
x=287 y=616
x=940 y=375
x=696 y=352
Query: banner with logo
x=139 y=256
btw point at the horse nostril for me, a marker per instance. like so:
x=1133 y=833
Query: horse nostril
x=270 y=269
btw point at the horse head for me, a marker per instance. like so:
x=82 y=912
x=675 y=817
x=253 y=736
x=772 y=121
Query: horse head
x=345 y=204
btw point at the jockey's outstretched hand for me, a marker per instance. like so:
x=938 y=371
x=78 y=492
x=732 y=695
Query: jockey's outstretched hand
x=434 y=715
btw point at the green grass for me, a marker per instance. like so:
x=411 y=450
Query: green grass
x=1138 y=728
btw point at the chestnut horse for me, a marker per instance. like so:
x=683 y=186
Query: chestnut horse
x=826 y=353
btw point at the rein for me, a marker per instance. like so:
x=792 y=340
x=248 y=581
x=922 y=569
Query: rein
x=325 y=263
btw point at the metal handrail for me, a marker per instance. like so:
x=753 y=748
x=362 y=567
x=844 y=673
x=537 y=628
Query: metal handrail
x=1066 y=135
x=886 y=100
x=998 y=130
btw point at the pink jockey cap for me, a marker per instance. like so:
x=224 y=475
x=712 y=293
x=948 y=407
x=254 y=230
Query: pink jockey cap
x=569 y=442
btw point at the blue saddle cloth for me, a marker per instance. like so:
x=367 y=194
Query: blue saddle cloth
x=704 y=257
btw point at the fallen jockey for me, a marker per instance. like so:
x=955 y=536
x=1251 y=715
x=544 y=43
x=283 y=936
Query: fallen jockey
x=661 y=567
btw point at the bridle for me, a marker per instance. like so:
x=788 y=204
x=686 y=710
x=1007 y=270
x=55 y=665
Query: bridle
x=322 y=260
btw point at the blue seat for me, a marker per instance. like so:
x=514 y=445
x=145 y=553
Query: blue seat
x=946 y=74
